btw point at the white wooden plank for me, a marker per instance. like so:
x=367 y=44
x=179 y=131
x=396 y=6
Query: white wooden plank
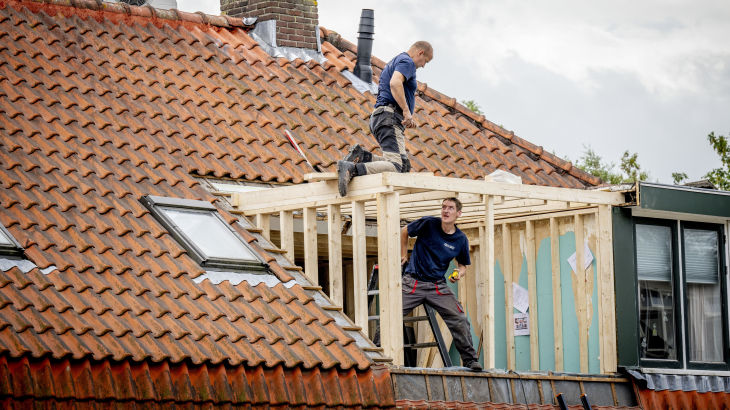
x=334 y=236
x=557 y=297
x=532 y=290
x=359 y=263
x=286 y=227
x=391 y=304
x=311 y=260
x=493 y=188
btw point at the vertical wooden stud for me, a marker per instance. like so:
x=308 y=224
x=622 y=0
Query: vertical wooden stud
x=263 y=223
x=508 y=303
x=359 y=264
x=286 y=229
x=557 y=297
x=485 y=283
x=607 y=296
x=334 y=237
x=597 y=304
x=391 y=303
x=582 y=301
x=311 y=259
x=532 y=289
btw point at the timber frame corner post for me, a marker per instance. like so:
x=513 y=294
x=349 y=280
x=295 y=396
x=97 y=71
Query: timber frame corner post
x=396 y=198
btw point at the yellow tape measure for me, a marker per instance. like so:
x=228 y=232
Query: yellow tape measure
x=454 y=275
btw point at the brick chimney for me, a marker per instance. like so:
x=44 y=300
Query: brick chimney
x=296 y=20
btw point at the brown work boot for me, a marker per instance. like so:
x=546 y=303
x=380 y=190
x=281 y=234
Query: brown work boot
x=355 y=155
x=346 y=171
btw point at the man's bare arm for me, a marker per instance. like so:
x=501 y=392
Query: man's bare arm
x=404 y=245
x=396 y=89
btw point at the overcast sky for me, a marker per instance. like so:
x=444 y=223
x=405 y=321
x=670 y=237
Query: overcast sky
x=651 y=77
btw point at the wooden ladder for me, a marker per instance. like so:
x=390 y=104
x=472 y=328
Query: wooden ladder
x=409 y=342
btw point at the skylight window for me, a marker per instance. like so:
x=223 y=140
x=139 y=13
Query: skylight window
x=9 y=247
x=200 y=229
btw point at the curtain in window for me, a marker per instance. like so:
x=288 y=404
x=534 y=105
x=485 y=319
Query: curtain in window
x=654 y=252
x=702 y=270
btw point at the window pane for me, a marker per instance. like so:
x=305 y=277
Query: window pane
x=701 y=256
x=704 y=309
x=656 y=310
x=656 y=292
x=654 y=252
x=209 y=234
x=4 y=240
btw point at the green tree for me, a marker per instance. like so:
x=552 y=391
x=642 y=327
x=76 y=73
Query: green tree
x=472 y=105
x=678 y=177
x=720 y=177
x=629 y=169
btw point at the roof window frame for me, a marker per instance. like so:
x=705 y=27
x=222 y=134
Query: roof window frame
x=13 y=250
x=155 y=205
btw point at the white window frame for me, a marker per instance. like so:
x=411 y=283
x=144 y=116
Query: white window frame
x=155 y=204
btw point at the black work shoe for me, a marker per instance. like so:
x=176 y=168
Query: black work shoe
x=346 y=171
x=356 y=154
x=474 y=366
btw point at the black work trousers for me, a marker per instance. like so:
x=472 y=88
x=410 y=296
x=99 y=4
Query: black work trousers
x=385 y=125
x=440 y=297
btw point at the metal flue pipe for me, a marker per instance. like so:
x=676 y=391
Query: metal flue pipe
x=366 y=35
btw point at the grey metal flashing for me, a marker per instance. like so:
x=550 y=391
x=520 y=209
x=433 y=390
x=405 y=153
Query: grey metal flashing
x=676 y=382
x=361 y=85
x=685 y=188
x=24 y=265
x=236 y=278
x=265 y=34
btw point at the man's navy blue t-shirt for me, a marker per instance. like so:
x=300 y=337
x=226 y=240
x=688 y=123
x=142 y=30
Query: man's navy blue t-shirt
x=434 y=249
x=403 y=63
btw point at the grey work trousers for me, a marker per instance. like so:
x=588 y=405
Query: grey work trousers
x=385 y=125
x=442 y=300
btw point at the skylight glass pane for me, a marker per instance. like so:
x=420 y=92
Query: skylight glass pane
x=209 y=234
x=4 y=240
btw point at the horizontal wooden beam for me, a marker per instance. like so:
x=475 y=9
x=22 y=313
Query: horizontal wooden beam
x=494 y=188
x=320 y=176
x=517 y=219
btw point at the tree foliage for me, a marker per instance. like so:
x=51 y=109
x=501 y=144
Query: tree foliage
x=720 y=177
x=629 y=169
x=678 y=177
x=472 y=105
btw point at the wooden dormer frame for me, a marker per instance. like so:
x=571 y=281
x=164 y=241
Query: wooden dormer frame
x=391 y=198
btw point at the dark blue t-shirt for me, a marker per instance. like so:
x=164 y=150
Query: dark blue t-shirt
x=434 y=249
x=403 y=63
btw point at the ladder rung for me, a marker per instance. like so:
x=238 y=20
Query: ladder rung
x=415 y=319
x=374 y=317
x=422 y=345
x=373 y=292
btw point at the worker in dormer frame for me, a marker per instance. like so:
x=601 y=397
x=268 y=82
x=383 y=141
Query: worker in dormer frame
x=393 y=113
x=439 y=241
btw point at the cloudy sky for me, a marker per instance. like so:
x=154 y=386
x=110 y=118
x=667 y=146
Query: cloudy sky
x=651 y=77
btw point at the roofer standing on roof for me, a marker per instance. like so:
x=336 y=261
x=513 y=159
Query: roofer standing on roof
x=392 y=115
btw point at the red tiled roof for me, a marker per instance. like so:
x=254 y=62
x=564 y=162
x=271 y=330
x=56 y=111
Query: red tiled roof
x=97 y=109
x=26 y=383
x=459 y=405
x=101 y=104
x=681 y=400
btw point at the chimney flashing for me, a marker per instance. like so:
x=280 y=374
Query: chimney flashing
x=264 y=33
x=296 y=20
